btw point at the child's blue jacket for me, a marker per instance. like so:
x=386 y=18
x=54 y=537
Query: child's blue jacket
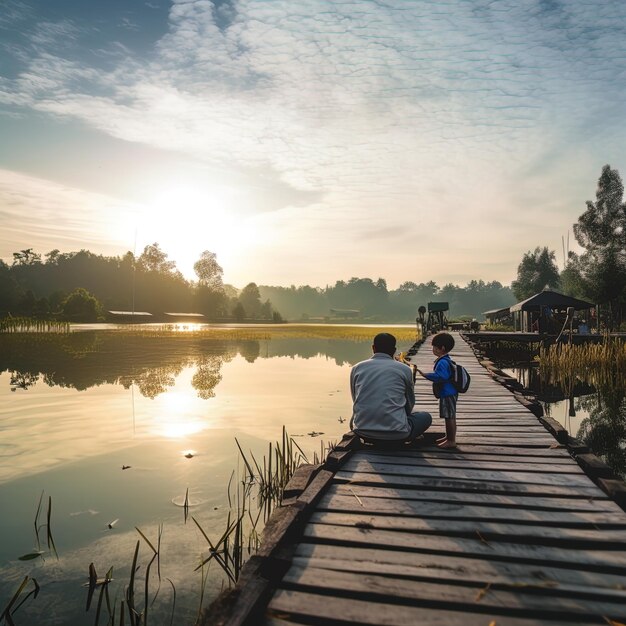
x=442 y=375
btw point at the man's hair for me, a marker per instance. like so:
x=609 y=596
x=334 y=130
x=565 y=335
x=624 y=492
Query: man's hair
x=384 y=342
x=443 y=340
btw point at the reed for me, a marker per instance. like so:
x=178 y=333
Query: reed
x=9 y=610
x=38 y=527
x=600 y=364
x=286 y=331
x=259 y=491
x=32 y=325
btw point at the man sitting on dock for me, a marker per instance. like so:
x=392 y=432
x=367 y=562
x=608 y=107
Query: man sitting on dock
x=383 y=396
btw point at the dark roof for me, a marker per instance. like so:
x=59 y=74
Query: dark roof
x=552 y=299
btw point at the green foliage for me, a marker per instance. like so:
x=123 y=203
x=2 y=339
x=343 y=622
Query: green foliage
x=151 y=283
x=153 y=259
x=603 y=224
x=209 y=271
x=239 y=313
x=81 y=306
x=537 y=269
x=601 y=231
x=26 y=257
x=250 y=300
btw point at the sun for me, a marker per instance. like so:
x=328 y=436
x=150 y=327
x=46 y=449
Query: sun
x=187 y=219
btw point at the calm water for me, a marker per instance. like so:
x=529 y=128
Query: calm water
x=75 y=409
x=595 y=415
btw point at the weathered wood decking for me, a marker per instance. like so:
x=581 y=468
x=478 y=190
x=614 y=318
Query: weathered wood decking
x=507 y=529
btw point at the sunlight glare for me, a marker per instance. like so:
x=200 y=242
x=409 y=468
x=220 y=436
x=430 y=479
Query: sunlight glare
x=177 y=418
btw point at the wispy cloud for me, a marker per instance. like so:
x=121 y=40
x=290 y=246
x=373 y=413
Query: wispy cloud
x=373 y=105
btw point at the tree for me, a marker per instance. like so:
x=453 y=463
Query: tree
x=153 y=259
x=209 y=271
x=536 y=270
x=239 y=313
x=603 y=224
x=26 y=257
x=250 y=299
x=601 y=230
x=10 y=292
x=80 y=306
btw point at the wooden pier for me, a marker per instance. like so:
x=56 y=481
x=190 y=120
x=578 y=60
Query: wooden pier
x=505 y=530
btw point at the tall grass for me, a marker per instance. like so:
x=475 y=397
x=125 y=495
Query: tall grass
x=259 y=492
x=12 y=606
x=599 y=364
x=286 y=331
x=136 y=602
x=32 y=325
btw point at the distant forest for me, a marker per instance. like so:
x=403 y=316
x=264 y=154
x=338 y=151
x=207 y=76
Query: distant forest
x=83 y=286
x=374 y=301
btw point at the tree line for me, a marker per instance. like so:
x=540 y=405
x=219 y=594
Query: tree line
x=597 y=273
x=371 y=299
x=81 y=286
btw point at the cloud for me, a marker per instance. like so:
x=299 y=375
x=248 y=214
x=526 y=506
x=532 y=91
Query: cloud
x=368 y=105
x=35 y=212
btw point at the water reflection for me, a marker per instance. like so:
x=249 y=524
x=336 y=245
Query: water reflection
x=592 y=410
x=604 y=430
x=119 y=427
x=152 y=364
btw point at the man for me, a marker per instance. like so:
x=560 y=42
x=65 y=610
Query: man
x=383 y=396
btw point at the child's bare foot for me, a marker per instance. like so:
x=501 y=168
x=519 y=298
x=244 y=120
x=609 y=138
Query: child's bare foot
x=446 y=444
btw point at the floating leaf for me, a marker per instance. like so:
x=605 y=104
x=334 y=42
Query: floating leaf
x=482 y=592
x=31 y=555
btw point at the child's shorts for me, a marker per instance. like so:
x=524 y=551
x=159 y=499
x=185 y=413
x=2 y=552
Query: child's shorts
x=447 y=407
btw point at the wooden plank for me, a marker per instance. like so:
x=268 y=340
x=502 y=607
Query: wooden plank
x=357 y=464
x=608 y=561
x=594 y=466
x=554 y=455
x=486 y=499
x=300 y=479
x=424 y=482
x=458 y=461
x=493 y=600
x=358 y=503
x=489 y=531
x=324 y=609
x=458 y=568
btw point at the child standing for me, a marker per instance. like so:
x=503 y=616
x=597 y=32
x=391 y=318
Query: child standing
x=441 y=377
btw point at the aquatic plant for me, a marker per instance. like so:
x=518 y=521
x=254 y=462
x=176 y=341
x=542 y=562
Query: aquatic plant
x=135 y=605
x=32 y=325
x=258 y=493
x=600 y=364
x=9 y=610
x=49 y=538
x=270 y=331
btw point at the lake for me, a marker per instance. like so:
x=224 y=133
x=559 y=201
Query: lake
x=75 y=409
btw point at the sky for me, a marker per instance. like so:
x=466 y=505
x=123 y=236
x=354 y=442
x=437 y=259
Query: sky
x=312 y=141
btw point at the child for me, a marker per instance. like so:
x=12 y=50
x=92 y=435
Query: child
x=443 y=388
